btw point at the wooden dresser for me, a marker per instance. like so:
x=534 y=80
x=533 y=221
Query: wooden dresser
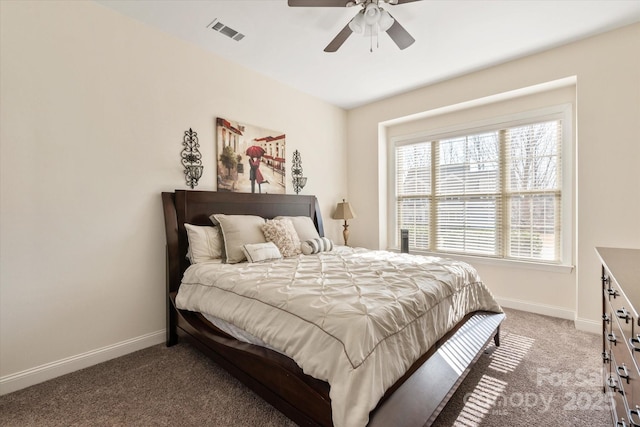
x=621 y=333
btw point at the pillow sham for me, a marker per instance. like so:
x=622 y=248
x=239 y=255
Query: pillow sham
x=314 y=246
x=238 y=230
x=257 y=252
x=205 y=243
x=304 y=226
x=282 y=233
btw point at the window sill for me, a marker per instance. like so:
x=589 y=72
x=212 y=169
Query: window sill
x=541 y=266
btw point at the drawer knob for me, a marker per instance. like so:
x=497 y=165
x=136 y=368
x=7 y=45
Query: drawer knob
x=612 y=338
x=622 y=313
x=605 y=318
x=621 y=423
x=623 y=372
x=605 y=357
x=612 y=383
x=612 y=293
x=605 y=279
x=635 y=343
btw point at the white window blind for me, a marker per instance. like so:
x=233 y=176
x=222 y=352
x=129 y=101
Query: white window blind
x=487 y=192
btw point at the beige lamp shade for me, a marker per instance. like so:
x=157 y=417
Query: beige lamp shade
x=344 y=211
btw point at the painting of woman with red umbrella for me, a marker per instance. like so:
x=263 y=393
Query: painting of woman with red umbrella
x=264 y=149
x=255 y=153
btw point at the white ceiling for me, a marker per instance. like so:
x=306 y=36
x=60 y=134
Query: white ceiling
x=453 y=37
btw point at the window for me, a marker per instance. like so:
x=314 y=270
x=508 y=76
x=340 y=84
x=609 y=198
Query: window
x=492 y=190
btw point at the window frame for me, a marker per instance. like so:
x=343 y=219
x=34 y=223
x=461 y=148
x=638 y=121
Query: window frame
x=563 y=112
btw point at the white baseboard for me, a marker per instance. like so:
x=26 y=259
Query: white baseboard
x=29 y=377
x=589 y=325
x=547 y=310
x=581 y=324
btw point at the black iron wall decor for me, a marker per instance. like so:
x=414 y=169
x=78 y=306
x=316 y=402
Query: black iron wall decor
x=191 y=158
x=298 y=180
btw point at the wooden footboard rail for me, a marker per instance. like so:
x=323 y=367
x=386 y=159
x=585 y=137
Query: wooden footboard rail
x=423 y=395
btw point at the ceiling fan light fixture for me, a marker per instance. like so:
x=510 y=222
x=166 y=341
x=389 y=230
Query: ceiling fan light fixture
x=386 y=20
x=370 y=30
x=372 y=14
x=370 y=21
x=358 y=23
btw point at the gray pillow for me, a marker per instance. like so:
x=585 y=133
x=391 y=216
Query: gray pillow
x=237 y=231
x=304 y=227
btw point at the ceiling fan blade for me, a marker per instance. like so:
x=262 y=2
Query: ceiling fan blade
x=339 y=39
x=318 y=3
x=399 y=35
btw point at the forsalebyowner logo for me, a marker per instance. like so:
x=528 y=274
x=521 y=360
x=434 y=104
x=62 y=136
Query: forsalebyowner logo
x=590 y=398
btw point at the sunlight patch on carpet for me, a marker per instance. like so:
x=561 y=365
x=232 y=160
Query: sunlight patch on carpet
x=480 y=401
x=513 y=348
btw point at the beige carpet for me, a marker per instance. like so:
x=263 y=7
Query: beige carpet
x=545 y=373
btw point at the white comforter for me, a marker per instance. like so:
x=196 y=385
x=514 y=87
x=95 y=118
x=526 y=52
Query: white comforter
x=355 y=318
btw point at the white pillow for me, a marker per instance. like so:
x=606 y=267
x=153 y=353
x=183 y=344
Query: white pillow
x=256 y=252
x=313 y=246
x=205 y=243
x=282 y=233
x=304 y=227
x=239 y=230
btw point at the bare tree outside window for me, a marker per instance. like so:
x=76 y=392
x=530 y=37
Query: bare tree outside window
x=414 y=192
x=534 y=154
x=493 y=193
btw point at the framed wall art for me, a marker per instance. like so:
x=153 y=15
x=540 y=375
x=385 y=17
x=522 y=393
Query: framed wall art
x=250 y=159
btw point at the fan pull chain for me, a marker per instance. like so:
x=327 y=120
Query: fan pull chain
x=377 y=33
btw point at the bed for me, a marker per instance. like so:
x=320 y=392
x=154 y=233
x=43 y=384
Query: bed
x=414 y=399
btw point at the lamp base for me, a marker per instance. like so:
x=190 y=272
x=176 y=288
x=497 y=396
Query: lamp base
x=345 y=233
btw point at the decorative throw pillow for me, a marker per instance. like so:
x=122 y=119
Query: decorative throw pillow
x=256 y=252
x=282 y=233
x=205 y=243
x=304 y=226
x=238 y=230
x=313 y=246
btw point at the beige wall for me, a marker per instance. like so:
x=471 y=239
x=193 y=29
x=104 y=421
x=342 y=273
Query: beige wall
x=93 y=109
x=607 y=72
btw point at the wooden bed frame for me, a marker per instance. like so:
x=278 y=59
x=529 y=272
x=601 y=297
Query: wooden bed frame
x=415 y=400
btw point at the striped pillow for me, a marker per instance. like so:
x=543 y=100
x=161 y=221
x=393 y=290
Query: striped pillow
x=313 y=246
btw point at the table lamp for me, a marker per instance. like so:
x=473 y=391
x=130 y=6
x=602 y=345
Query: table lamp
x=344 y=212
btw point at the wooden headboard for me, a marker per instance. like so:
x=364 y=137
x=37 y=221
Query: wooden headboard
x=195 y=207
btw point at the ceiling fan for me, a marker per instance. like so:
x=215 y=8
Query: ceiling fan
x=370 y=20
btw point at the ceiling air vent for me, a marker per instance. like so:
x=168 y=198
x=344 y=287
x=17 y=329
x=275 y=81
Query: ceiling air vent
x=223 y=29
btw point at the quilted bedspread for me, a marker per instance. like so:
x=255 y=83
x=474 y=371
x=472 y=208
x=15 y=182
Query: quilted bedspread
x=355 y=318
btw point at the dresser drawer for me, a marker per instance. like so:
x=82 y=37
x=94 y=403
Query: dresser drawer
x=621 y=333
x=621 y=308
x=627 y=380
x=633 y=415
x=618 y=402
x=622 y=320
